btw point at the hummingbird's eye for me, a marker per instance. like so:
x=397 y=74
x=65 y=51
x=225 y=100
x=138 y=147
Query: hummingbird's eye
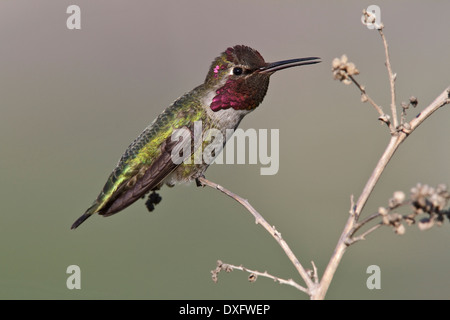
x=237 y=71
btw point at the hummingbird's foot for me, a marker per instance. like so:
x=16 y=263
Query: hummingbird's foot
x=153 y=199
x=198 y=182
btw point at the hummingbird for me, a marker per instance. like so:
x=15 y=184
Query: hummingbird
x=235 y=85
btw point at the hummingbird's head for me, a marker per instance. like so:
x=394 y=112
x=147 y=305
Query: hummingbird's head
x=240 y=77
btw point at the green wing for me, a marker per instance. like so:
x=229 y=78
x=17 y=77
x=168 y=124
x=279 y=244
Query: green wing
x=147 y=161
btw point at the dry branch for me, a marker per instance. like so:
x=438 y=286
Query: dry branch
x=424 y=199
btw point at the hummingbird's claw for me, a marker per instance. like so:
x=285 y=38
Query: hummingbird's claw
x=198 y=182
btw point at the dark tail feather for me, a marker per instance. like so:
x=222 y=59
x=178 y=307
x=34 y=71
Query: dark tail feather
x=86 y=215
x=80 y=220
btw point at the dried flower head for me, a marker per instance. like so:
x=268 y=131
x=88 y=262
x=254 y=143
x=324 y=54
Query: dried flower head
x=342 y=69
x=371 y=19
x=413 y=101
x=400 y=229
x=397 y=199
x=431 y=201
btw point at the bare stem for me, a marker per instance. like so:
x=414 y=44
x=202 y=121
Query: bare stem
x=354 y=239
x=362 y=223
x=265 y=274
x=392 y=77
x=260 y=220
x=363 y=91
x=315 y=275
x=440 y=101
x=394 y=142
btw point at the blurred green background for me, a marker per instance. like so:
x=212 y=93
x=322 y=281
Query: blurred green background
x=71 y=101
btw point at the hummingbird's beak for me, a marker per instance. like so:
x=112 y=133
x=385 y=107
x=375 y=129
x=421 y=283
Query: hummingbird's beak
x=280 y=65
